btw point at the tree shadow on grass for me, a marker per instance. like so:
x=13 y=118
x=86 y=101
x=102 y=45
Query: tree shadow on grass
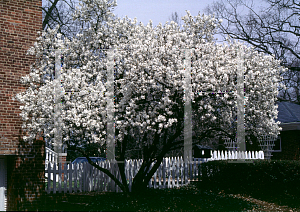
x=186 y=198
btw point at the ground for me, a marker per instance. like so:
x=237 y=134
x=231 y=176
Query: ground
x=263 y=205
x=186 y=198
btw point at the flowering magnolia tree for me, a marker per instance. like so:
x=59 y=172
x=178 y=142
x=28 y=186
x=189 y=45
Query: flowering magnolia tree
x=149 y=90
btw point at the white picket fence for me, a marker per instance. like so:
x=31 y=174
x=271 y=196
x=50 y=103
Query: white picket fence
x=51 y=157
x=226 y=155
x=172 y=172
x=84 y=177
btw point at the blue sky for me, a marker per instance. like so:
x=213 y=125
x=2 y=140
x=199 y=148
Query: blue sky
x=158 y=10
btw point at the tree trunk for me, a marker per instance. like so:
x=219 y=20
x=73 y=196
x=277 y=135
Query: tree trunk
x=139 y=185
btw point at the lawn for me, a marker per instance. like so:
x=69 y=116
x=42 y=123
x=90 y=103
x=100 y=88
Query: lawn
x=185 y=198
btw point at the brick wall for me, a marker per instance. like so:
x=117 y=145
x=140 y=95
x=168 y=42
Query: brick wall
x=26 y=177
x=290 y=145
x=19 y=22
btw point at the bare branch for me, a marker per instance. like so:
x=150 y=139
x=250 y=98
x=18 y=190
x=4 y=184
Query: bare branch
x=273 y=30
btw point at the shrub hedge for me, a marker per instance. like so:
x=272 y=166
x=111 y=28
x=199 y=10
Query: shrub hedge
x=261 y=176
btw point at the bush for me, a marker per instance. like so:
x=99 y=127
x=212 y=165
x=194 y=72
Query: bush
x=261 y=176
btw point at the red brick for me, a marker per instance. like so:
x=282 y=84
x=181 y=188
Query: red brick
x=18 y=23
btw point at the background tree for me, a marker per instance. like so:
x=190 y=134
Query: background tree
x=175 y=17
x=271 y=27
x=149 y=90
x=59 y=13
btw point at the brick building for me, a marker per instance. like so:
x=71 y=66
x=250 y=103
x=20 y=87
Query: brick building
x=288 y=145
x=21 y=165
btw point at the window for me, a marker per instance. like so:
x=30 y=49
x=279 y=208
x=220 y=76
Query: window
x=277 y=147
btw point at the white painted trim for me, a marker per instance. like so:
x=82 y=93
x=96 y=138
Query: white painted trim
x=3 y=183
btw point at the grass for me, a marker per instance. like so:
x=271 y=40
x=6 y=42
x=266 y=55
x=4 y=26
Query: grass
x=185 y=198
x=272 y=196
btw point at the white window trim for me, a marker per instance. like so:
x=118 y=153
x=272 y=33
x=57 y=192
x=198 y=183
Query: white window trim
x=280 y=149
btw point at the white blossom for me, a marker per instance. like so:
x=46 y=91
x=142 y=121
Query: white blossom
x=152 y=63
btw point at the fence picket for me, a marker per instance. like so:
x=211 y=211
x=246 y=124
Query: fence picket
x=70 y=171
x=115 y=174
x=75 y=176
x=88 y=176
x=118 y=188
x=54 y=178
x=186 y=173
x=108 y=180
x=169 y=172
x=119 y=177
x=159 y=174
x=59 y=178
x=80 y=177
x=49 y=178
x=97 y=184
x=65 y=177
x=164 y=171
x=107 y=185
x=177 y=171
x=113 y=185
x=194 y=166
x=190 y=170
x=182 y=170
x=102 y=177
x=173 y=173
x=93 y=177
x=85 y=178
x=129 y=172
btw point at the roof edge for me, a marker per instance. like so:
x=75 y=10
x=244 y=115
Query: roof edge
x=290 y=126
